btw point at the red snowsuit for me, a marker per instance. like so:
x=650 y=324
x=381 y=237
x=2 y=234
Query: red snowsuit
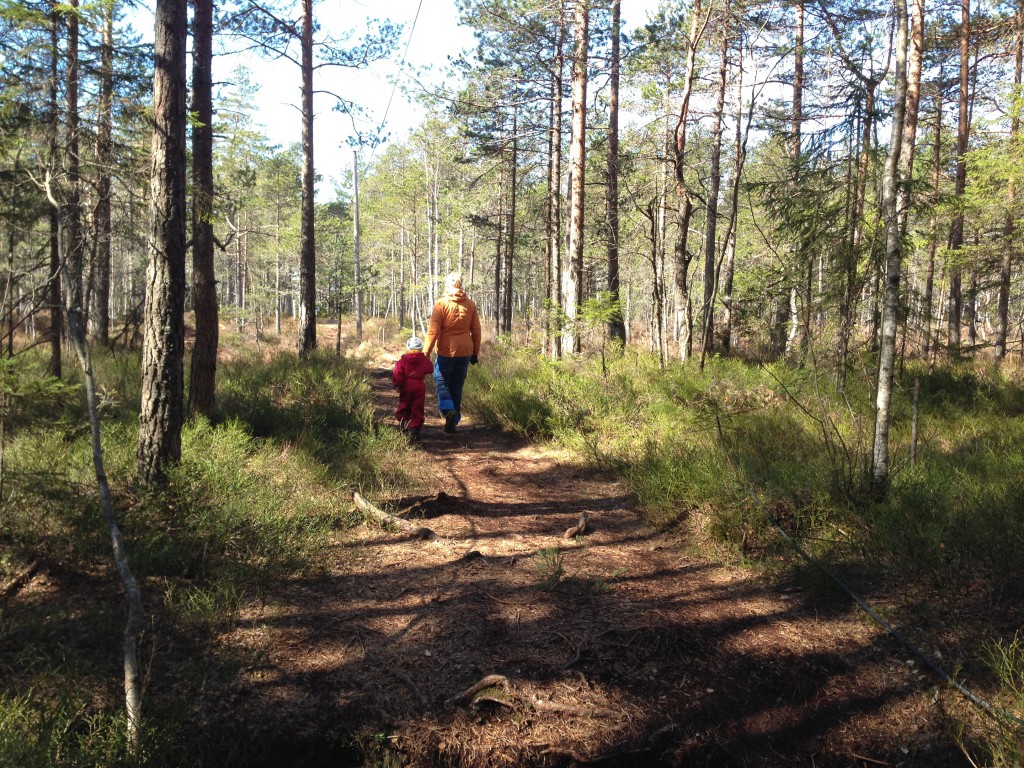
x=412 y=391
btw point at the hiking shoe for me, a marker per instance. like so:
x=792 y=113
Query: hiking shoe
x=451 y=418
x=403 y=425
x=414 y=435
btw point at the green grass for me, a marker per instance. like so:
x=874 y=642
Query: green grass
x=716 y=449
x=253 y=503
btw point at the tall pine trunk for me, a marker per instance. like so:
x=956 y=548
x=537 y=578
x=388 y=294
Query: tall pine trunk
x=55 y=298
x=929 y=285
x=1009 y=227
x=160 y=417
x=307 y=234
x=956 y=233
x=572 y=270
x=203 y=373
x=510 y=249
x=616 y=327
x=100 y=314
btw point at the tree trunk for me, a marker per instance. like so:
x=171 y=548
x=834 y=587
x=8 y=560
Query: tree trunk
x=714 y=186
x=356 y=273
x=73 y=203
x=929 y=286
x=134 y=621
x=684 y=324
x=956 y=233
x=1009 y=227
x=510 y=249
x=160 y=417
x=203 y=374
x=56 y=301
x=555 y=183
x=897 y=169
x=915 y=61
x=307 y=235
x=805 y=256
x=616 y=327
x=572 y=272
x=100 y=314
x=739 y=156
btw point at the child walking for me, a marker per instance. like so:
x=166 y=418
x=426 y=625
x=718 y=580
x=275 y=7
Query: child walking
x=408 y=376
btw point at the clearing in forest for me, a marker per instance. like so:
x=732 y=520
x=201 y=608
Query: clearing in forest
x=504 y=643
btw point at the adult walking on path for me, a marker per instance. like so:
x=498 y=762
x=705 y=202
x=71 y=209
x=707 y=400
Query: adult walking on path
x=454 y=333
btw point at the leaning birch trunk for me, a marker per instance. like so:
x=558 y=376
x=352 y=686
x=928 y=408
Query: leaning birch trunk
x=130 y=638
x=134 y=623
x=892 y=177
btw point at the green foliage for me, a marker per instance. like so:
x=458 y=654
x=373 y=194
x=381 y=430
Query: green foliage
x=549 y=563
x=718 y=450
x=1005 y=739
x=253 y=502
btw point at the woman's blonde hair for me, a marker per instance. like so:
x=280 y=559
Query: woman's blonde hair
x=453 y=281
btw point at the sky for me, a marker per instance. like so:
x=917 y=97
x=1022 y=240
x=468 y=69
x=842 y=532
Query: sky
x=431 y=34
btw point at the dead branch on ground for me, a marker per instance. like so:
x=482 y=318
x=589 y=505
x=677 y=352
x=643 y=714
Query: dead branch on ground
x=386 y=518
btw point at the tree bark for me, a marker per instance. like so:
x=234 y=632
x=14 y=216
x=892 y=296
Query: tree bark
x=897 y=168
x=739 y=159
x=356 y=266
x=100 y=314
x=555 y=182
x=616 y=327
x=160 y=417
x=956 y=233
x=684 y=318
x=55 y=367
x=929 y=285
x=572 y=272
x=510 y=249
x=307 y=234
x=73 y=202
x=1009 y=225
x=134 y=621
x=203 y=374
x=714 y=187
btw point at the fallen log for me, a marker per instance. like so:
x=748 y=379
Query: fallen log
x=580 y=528
x=387 y=519
x=20 y=581
x=467 y=695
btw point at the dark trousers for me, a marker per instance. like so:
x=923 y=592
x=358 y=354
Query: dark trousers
x=449 y=376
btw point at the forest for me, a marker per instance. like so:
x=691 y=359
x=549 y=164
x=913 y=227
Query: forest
x=739 y=481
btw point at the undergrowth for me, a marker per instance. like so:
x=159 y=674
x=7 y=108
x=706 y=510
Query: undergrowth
x=252 y=503
x=732 y=451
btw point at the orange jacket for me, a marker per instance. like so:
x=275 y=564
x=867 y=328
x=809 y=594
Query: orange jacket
x=454 y=327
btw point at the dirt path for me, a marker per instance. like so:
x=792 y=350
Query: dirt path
x=615 y=648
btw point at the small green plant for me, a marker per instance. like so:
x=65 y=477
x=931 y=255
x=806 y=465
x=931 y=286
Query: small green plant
x=603 y=583
x=1004 y=739
x=550 y=566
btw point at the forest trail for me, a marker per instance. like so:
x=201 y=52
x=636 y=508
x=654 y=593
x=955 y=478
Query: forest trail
x=614 y=648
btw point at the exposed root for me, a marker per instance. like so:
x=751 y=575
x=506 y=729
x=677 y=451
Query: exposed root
x=386 y=518
x=467 y=695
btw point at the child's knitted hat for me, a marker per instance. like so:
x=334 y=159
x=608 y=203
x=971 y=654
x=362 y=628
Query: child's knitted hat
x=414 y=343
